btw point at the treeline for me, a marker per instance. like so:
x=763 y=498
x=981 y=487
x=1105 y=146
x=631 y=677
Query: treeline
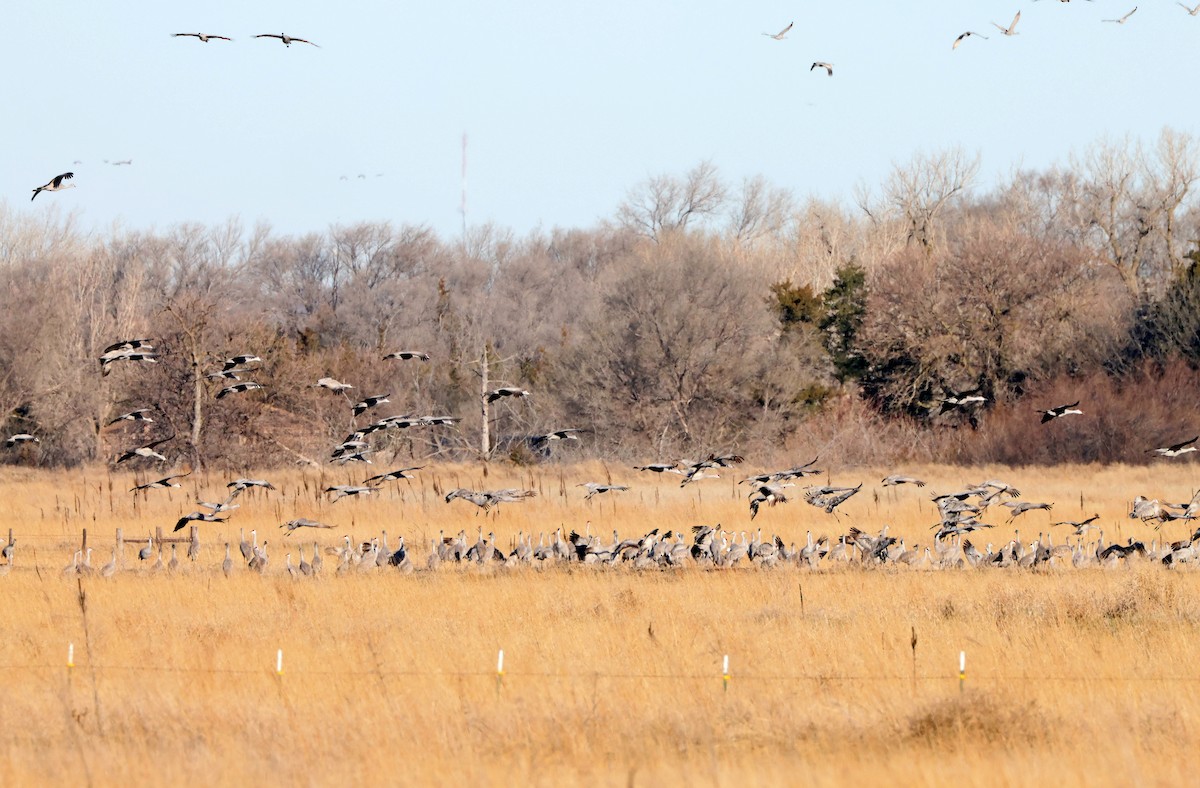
x=704 y=315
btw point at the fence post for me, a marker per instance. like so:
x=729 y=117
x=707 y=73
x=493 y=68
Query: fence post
x=499 y=671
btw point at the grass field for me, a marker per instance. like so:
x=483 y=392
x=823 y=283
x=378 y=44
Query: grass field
x=611 y=676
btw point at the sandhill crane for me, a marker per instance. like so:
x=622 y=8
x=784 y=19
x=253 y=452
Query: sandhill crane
x=238 y=388
x=659 y=467
x=237 y=485
x=1191 y=11
x=204 y=37
x=114 y=356
x=145 y=450
x=407 y=355
x=318 y=562
x=227 y=564
x=892 y=481
x=1145 y=509
x=781 y=34
x=1019 y=508
x=162 y=484
x=259 y=562
x=291 y=570
x=333 y=385
x=401 y=473
x=341 y=491
x=302 y=522
x=21 y=437
x=73 y=567
x=220 y=507
x=819 y=64
x=594 y=488
x=1060 y=411
x=1011 y=30
x=369 y=402
x=287 y=40
x=141 y=414
x=1122 y=20
x=110 y=569
x=1082 y=526
x=305 y=566
x=1176 y=449
x=966 y=35
x=247 y=548
x=557 y=435
x=697 y=474
x=505 y=391
x=203 y=517
x=962 y=400
x=55 y=184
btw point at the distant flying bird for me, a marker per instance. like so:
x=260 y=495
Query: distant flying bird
x=369 y=402
x=205 y=37
x=964 y=400
x=1081 y=527
x=340 y=491
x=402 y=473
x=1060 y=411
x=204 y=517
x=1175 y=449
x=1191 y=11
x=287 y=40
x=237 y=485
x=128 y=344
x=781 y=34
x=505 y=391
x=1012 y=27
x=146 y=451
x=557 y=435
x=959 y=40
x=55 y=184
x=134 y=415
x=238 y=361
x=660 y=468
x=163 y=483
x=121 y=163
x=407 y=355
x=113 y=356
x=332 y=385
x=238 y=388
x=594 y=488
x=21 y=437
x=827 y=66
x=1123 y=19
x=892 y=481
x=302 y=522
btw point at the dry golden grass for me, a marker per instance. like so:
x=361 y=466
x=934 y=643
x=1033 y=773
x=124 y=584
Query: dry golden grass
x=612 y=676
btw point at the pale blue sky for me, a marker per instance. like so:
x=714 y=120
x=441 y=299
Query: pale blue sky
x=567 y=105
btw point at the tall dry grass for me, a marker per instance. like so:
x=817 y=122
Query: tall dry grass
x=612 y=676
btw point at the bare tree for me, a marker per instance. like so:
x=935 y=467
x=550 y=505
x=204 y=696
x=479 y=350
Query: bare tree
x=665 y=203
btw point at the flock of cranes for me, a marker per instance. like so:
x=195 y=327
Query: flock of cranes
x=962 y=512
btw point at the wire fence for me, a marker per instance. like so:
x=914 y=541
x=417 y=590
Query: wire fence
x=873 y=677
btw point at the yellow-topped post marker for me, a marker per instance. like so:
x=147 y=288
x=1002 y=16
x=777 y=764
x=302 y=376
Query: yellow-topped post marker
x=725 y=674
x=70 y=655
x=279 y=663
x=499 y=670
x=962 y=670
